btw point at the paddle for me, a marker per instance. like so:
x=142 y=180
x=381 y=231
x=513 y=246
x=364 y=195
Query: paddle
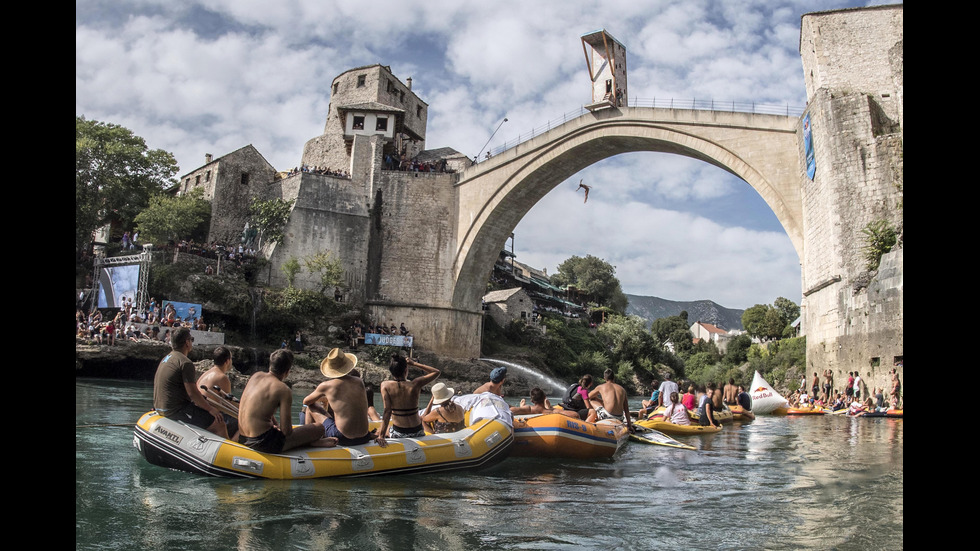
x=220 y=402
x=224 y=394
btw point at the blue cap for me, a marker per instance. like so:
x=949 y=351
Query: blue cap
x=498 y=374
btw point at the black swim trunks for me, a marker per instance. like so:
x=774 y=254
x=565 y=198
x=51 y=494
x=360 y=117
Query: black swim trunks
x=193 y=415
x=271 y=441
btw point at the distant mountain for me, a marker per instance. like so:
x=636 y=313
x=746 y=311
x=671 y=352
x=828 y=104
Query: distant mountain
x=651 y=308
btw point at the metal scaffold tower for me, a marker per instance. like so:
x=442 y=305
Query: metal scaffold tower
x=143 y=259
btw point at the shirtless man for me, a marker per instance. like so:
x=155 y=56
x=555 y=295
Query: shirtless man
x=496 y=384
x=610 y=400
x=174 y=393
x=345 y=417
x=401 y=399
x=218 y=376
x=896 y=390
x=586 y=188
x=540 y=404
x=263 y=395
x=730 y=394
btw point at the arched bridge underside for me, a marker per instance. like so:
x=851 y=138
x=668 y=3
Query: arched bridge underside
x=495 y=195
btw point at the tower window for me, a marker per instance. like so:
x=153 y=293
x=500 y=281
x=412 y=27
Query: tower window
x=358 y=122
x=382 y=124
x=361 y=79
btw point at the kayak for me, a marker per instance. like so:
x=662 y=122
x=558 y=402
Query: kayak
x=677 y=430
x=721 y=417
x=649 y=436
x=177 y=445
x=806 y=411
x=740 y=414
x=557 y=435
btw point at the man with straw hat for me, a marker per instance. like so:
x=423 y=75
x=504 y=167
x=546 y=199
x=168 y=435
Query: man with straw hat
x=346 y=415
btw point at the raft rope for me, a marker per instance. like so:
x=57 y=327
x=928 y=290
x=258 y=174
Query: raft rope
x=204 y=437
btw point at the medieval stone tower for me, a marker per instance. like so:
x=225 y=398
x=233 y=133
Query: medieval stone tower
x=853 y=65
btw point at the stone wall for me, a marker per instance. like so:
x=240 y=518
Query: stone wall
x=230 y=182
x=330 y=214
x=856 y=50
x=852 y=318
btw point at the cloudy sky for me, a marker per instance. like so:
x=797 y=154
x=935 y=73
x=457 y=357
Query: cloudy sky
x=210 y=76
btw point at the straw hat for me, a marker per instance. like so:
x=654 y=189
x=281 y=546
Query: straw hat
x=337 y=363
x=441 y=393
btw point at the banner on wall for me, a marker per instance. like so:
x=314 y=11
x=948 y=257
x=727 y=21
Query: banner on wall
x=388 y=340
x=811 y=164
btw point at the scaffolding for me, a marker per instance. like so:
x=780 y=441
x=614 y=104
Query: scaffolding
x=142 y=284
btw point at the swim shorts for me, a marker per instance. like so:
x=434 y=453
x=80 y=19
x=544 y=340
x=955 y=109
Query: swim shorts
x=271 y=441
x=330 y=429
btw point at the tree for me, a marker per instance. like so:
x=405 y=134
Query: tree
x=787 y=309
x=115 y=176
x=674 y=330
x=768 y=322
x=270 y=217
x=594 y=277
x=327 y=267
x=174 y=217
x=290 y=268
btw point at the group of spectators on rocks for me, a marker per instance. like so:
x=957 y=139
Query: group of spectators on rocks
x=318 y=170
x=129 y=324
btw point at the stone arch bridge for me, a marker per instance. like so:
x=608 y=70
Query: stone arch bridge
x=491 y=198
x=494 y=196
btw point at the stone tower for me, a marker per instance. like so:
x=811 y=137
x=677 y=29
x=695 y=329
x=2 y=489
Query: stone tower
x=368 y=101
x=853 y=65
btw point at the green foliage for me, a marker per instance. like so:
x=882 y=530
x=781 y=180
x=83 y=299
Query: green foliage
x=738 y=350
x=115 y=176
x=296 y=302
x=226 y=292
x=593 y=277
x=775 y=359
x=879 y=238
x=327 y=267
x=788 y=310
x=169 y=217
x=673 y=329
x=595 y=362
x=769 y=322
x=290 y=268
x=166 y=279
x=270 y=217
x=381 y=355
x=627 y=339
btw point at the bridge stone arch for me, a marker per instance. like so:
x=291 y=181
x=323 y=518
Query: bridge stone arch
x=494 y=196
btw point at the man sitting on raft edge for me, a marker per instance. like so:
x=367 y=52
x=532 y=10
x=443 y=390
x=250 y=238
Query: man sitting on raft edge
x=346 y=415
x=263 y=395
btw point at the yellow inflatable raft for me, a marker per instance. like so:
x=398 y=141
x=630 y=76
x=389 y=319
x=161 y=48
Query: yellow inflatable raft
x=176 y=445
x=557 y=435
x=677 y=430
